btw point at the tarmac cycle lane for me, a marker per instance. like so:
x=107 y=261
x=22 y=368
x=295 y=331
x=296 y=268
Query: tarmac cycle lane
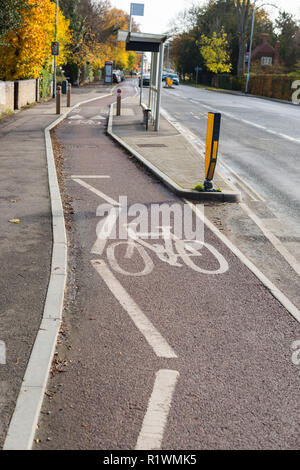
x=171 y=342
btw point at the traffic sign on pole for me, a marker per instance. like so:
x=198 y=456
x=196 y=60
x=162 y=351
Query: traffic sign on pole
x=137 y=9
x=54 y=48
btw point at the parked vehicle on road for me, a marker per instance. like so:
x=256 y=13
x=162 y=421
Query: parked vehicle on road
x=116 y=76
x=174 y=77
x=122 y=75
x=146 y=80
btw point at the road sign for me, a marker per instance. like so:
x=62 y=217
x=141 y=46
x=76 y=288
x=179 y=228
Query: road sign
x=54 y=48
x=198 y=69
x=137 y=9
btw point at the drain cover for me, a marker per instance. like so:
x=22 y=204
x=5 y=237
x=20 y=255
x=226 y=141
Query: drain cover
x=81 y=146
x=151 y=145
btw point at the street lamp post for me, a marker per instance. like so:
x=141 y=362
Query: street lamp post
x=117 y=25
x=251 y=40
x=54 y=71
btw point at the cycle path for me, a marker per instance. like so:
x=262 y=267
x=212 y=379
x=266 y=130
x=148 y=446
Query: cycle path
x=191 y=353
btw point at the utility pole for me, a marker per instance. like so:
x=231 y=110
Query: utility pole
x=255 y=8
x=168 y=55
x=55 y=39
x=130 y=18
x=117 y=26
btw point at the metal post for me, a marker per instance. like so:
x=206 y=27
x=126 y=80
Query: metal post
x=130 y=18
x=142 y=75
x=151 y=82
x=117 y=25
x=168 y=52
x=69 y=95
x=54 y=71
x=58 y=97
x=197 y=76
x=250 y=50
x=159 y=78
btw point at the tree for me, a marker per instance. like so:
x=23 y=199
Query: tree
x=242 y=17
x=214 y=52
x=28 y=47
x=215 y=16
x=10 y=14
x=288 y=34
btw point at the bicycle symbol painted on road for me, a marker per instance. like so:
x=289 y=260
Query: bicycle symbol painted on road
x=135 y=249
x=177 y=238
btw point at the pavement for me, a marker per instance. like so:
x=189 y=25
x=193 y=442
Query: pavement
x=142 y=323
x=26 y=247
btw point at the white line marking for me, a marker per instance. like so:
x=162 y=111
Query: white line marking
x=97 y=192
x=287 y=304
x=77 y=116
x=239 y=183
x=196 y=141
x=273 y=239
x=253 y=124
x=151 y=334
x=90 y=176
x=98 y=118
x=155 y=419
x=104 y=233
x=221 y=159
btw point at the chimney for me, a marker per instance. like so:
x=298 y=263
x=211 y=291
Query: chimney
x=277 y=53
x=265 y=38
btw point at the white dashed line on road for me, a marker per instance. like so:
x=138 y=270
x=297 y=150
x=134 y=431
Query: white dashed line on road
x=96 y=191
x=155 y=419
x=151 y=334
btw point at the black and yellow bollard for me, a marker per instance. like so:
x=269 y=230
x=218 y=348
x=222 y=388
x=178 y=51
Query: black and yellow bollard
x=211 y=149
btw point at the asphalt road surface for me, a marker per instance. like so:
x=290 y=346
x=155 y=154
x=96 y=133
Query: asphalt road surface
x=166 y=343
x=260 y=140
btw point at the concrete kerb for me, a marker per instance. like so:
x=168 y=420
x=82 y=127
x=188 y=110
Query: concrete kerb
x=225 y=196
x=24 y=420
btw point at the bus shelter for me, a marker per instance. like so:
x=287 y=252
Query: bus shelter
x=154 y=43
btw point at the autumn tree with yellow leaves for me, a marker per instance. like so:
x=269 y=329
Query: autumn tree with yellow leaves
x=214 y=51
x=27 y=48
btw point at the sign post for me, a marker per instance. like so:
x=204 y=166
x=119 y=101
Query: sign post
x=197 y=69
x=55 y=48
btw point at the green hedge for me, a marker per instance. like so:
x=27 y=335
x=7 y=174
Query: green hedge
x=272 y=86
x=269 y=85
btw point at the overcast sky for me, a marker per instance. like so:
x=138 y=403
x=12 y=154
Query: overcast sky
x=159 y=13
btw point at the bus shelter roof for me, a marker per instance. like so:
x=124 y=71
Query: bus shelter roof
x=141 y=42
